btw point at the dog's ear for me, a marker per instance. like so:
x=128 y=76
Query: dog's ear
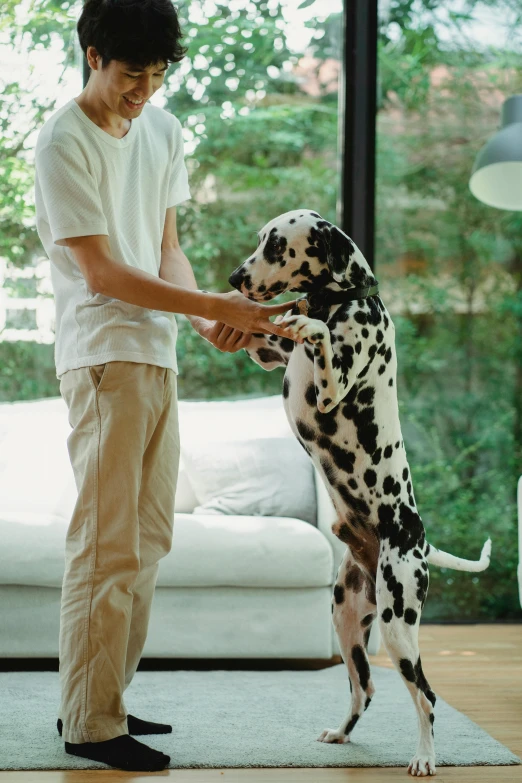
x=345 y=261
x=339 y=250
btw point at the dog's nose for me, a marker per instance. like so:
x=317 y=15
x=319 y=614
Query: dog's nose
x=236 y=278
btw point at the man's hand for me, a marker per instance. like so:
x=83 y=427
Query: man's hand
x=223 y=337
x=249 y=317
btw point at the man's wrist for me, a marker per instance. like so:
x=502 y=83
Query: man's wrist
x=210 y=305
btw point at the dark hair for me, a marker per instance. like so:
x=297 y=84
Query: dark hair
x=139 y=32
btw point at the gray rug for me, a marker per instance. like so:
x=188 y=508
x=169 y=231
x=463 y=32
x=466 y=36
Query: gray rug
x=246 y=719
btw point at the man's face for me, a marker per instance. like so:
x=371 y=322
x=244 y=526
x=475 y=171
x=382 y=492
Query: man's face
x=122 y=82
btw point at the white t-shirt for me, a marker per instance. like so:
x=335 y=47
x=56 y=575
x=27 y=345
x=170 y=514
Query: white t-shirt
x=88 y=182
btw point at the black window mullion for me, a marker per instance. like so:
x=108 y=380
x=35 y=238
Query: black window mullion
x=357 y=116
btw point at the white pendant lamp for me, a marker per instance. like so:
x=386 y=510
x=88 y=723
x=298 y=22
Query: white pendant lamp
x=496 y=177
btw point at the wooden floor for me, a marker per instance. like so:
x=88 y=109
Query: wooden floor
x=475 y=668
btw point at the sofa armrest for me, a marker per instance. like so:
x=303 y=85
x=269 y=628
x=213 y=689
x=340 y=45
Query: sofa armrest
x=326 y=516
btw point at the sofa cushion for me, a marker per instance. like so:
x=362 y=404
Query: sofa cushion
x=214 y=550
x=35 y=471
x=257 y=477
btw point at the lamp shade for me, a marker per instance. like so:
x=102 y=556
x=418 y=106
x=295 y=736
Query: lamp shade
x=496 y=177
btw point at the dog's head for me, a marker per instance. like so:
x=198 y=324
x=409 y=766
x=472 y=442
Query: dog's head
x=299 y=251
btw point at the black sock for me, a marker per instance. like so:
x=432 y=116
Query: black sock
x=123 y=752
x=137 y=726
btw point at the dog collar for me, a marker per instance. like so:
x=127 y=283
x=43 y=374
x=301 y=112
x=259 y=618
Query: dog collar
x=327 y=297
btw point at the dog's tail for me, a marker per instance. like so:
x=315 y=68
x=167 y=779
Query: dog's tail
x=445 y=560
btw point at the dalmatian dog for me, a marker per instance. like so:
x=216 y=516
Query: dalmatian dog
x=340 y=398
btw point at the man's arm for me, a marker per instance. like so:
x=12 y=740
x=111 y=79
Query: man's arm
x=118 y=280
x=175 y=268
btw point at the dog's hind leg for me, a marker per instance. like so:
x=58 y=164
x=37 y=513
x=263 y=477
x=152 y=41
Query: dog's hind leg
x=353 y=611
x=401 y=590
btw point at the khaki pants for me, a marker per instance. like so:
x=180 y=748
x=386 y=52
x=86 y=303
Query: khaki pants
x=124 y=450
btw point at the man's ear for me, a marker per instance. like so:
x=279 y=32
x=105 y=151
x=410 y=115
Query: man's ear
x=339 y=250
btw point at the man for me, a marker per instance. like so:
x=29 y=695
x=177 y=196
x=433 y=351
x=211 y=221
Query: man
x=109 y=174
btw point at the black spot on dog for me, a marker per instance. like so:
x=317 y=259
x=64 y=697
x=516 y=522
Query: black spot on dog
x=407 y=669
x=351 y=724
x=361 y=664
x=329 y=470
x=370 y=590
x=286 y=386
x=370 y=477
x=387 y=615
x=410 y=616
x=305 y=431
x=357 y=505
x=343 y=459
x=268 y=355
x=388 y=483
x=327 y=424
x=323 y=442
x=354 y=579
x=310 y=395
x=339 y=594
x=366 y=621
x=376 y=457
x=422 y=683
x=366 y=395
x=404 y=536
x=422 y=585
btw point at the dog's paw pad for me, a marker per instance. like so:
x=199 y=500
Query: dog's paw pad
x=421 y=766
x=333 y=736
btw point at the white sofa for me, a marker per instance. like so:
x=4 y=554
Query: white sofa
x=231 y=587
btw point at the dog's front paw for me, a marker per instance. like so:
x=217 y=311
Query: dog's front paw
x=333 y=736
x=304 y=327
x=422 y=765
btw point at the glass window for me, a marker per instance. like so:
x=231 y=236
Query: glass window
x=257 y=99
x=450 y=270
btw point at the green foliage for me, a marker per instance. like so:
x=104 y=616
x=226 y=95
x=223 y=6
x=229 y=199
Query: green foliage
x=450 y=267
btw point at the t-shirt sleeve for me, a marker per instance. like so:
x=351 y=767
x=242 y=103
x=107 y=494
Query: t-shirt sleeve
x=178 y=185
x=70 y=194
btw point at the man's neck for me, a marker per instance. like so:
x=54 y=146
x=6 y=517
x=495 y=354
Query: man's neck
x=118 y=130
